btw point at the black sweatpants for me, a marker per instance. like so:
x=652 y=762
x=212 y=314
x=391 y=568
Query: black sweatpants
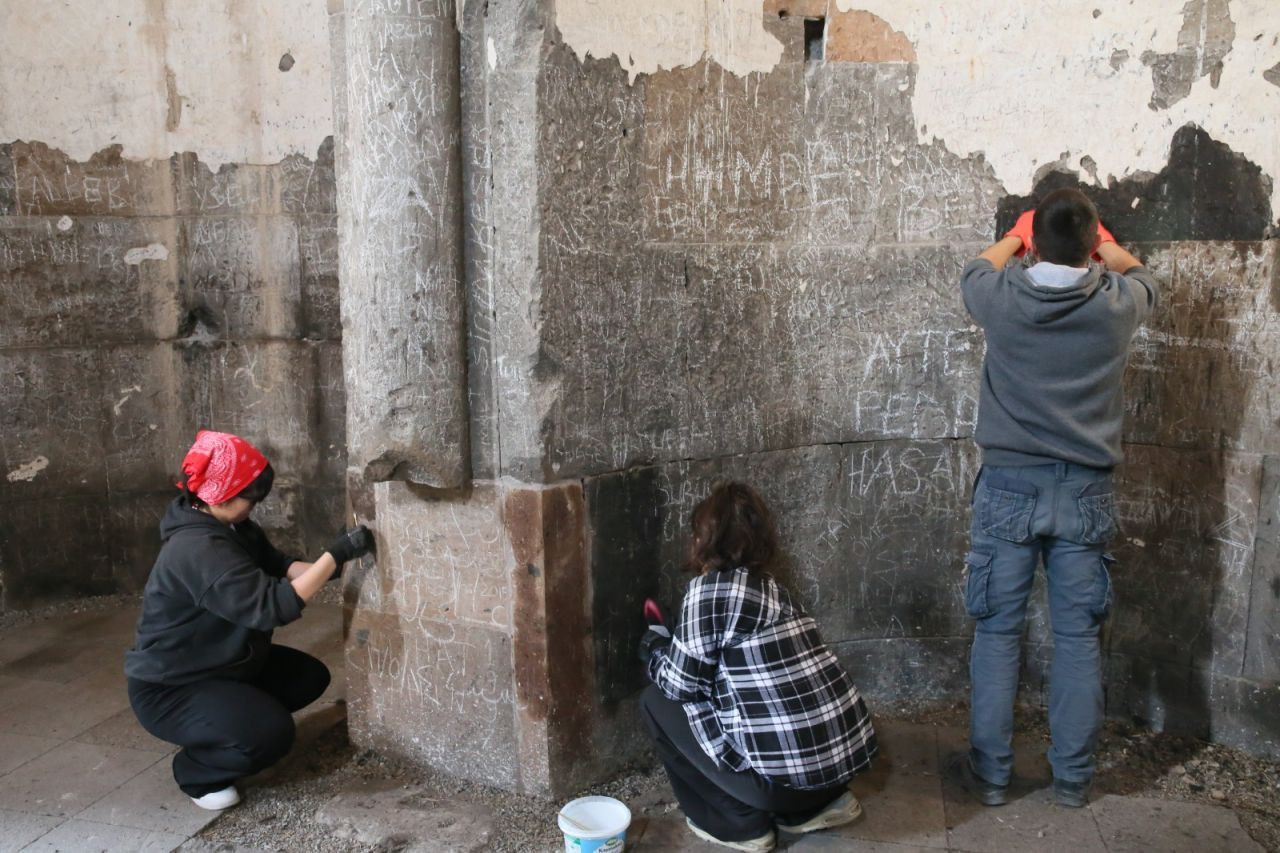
x=731 y=806
x=229 y=729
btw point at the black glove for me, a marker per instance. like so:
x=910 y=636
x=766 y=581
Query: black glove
x=657 y=637
x=351 y=544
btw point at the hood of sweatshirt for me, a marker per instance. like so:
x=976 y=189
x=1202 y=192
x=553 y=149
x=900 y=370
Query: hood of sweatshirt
x=182 y=516
x=1047 y=304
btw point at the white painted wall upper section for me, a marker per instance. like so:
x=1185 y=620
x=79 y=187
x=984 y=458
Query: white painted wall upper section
x=165 y=76
x=655 y=34
x=1020 y=83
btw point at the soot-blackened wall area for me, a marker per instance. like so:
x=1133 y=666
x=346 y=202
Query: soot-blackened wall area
x=144 y=299
x=755 y=276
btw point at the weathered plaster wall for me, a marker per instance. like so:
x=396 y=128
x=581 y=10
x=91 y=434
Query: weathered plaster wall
x=692 y=253
x=1110 y=84
x=691 y=250
x=168 y=260
x=750 y=271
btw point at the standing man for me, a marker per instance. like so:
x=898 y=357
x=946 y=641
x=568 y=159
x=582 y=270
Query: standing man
x=1049 y=424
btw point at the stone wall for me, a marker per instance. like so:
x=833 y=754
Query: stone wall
x=754 y=275
x=595 y=256
x=709 y=240
x=149 y=293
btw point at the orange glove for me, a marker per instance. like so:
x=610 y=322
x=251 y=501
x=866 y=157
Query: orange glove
x=1104 y=236
x=1022 y=230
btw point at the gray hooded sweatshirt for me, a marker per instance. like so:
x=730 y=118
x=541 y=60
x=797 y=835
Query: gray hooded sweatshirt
x=1053 y=376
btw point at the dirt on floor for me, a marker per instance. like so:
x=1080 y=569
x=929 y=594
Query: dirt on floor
x=96 y=604
x=1133 y=760
x=277 y=813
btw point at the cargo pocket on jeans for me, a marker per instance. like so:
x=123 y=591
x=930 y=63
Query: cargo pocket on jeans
x=1005 y=513
x=1103 y=595
x=1097 y=516
x=977 y=578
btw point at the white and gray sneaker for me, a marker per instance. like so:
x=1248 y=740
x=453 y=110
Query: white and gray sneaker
x=216 y=801
x=763 y=844
x=844 y=809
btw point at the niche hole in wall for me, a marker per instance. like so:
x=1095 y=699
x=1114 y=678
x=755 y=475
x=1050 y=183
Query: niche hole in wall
x=815 y=33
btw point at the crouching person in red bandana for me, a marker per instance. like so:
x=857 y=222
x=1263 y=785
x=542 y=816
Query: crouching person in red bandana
x=203 y=673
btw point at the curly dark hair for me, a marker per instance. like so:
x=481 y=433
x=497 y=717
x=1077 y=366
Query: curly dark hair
x=732 y=528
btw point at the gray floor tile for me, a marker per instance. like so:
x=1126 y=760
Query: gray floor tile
x=1029 y=762
x=16 y=750
x=1133 y=824
x=14 y=691
x=18 y=829
x=123 y=729
x=63 y=662
x=200 y=845
x=898 y=807
x=49 y=709
x=150 y=800
x=907 y=748
x=69 y=778
x=16 y=644
x=85 y=626
x=825 y=842
x=83 y=836
x=669 y=833
x=1030 y=821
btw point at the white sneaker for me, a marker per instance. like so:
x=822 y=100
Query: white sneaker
x=763 y=844
x=218 y=800
x=845 y=809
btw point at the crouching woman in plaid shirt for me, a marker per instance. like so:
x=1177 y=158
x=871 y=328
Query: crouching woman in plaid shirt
x=753 y=717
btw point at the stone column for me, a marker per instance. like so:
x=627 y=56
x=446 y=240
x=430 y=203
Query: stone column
x=400 y=233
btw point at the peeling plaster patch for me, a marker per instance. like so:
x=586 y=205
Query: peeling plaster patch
x=491 y=53
x=27 y=473
x=1272 y=75
x=152 y=252
x=106 y=65
x=666 y=34
x=965 y=85
x=858 y=36
x=173 y=116
x=1203 y=42
x=967 y=80
x=65 y=223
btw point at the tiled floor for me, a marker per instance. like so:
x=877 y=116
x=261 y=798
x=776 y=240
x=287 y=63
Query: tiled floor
x=77 y=773
x=910 y=808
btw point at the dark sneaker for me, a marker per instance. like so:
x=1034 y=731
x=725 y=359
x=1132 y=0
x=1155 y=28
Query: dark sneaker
x=960 y=771
x=1071 y=795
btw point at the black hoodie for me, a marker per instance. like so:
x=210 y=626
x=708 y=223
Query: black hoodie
x=215 y=593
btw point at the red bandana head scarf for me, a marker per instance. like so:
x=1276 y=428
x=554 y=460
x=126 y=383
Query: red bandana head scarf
x=219 y=465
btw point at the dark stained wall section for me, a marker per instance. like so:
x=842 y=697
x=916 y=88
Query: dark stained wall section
x=144 y=300
x=756 y=277
x=1205 y=192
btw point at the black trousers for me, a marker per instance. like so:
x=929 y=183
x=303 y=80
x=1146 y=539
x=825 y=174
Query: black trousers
x=732 y=806
x=229 y=729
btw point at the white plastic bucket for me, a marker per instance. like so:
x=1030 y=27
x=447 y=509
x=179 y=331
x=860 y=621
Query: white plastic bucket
x=601 y=825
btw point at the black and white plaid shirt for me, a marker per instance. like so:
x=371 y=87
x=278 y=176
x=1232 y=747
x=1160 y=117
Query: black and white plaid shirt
x=759 y=687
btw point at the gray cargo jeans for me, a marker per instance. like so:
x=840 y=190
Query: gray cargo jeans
x=1065 y=514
